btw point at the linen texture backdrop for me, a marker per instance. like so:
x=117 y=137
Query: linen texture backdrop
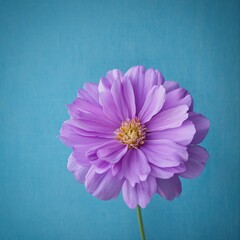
x=48 y=49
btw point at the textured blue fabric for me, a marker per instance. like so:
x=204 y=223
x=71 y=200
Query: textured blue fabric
x=48 y=49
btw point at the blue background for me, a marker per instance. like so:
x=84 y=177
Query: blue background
x=48 y=49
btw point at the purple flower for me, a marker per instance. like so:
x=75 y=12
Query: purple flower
x=137 y=133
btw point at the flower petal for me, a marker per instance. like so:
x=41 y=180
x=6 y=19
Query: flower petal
x=160 y=79
x=103 y=186
x=72 y=135
x=81 y=173
x=182 y=135
x=164 y=153
x=137 y=75
x=114 y=74
x=117 y=94
x=129 y=194
x=153 y=103
x=79 y=155
x=153 y=77
x=73 y=163
x=92 y=90
x=104 y=85
x=116 y=169
x=129 y=97
x=177 y=97
x=201 y=124
x=89 y=93
x=165 y=173
x=170 y=86
x=101 y=166
x=146 y=190
x=79 y=170
x=170 y=118
x=198 y=157
x=160 y=172
x=112 y=151
x=135 y=166
x=109 y=107
x=123 y=99
x=81 y=106
x=169 y=188
x=178 y=169
x=142 y=82
x=141 y=194
x=92 y=123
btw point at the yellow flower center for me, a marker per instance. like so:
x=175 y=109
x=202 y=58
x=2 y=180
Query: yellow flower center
x=131 y=133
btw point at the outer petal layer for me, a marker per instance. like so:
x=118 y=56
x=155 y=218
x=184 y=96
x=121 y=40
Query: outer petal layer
x=164 y=153
x=169 y=188
x=72 y=135
x=182 y=135
x=170 y=86
x=141 y=194
x=201 y=124
x=79 y=170
x=103 y=186
x=198 y=157
x=177 y=97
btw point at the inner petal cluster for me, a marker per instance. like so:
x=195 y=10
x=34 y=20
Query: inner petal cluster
x=131 y=133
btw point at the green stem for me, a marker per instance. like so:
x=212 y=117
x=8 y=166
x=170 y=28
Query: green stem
x=140 y=223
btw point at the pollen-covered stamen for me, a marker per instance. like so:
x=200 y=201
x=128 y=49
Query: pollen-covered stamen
x=131 y=133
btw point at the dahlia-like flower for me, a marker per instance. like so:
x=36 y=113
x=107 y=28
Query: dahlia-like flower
x=134 y=132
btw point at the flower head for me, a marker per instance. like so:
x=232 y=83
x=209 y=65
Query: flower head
x=137 y=133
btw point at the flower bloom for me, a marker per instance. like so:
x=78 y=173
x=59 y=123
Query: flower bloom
x=134 y=132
